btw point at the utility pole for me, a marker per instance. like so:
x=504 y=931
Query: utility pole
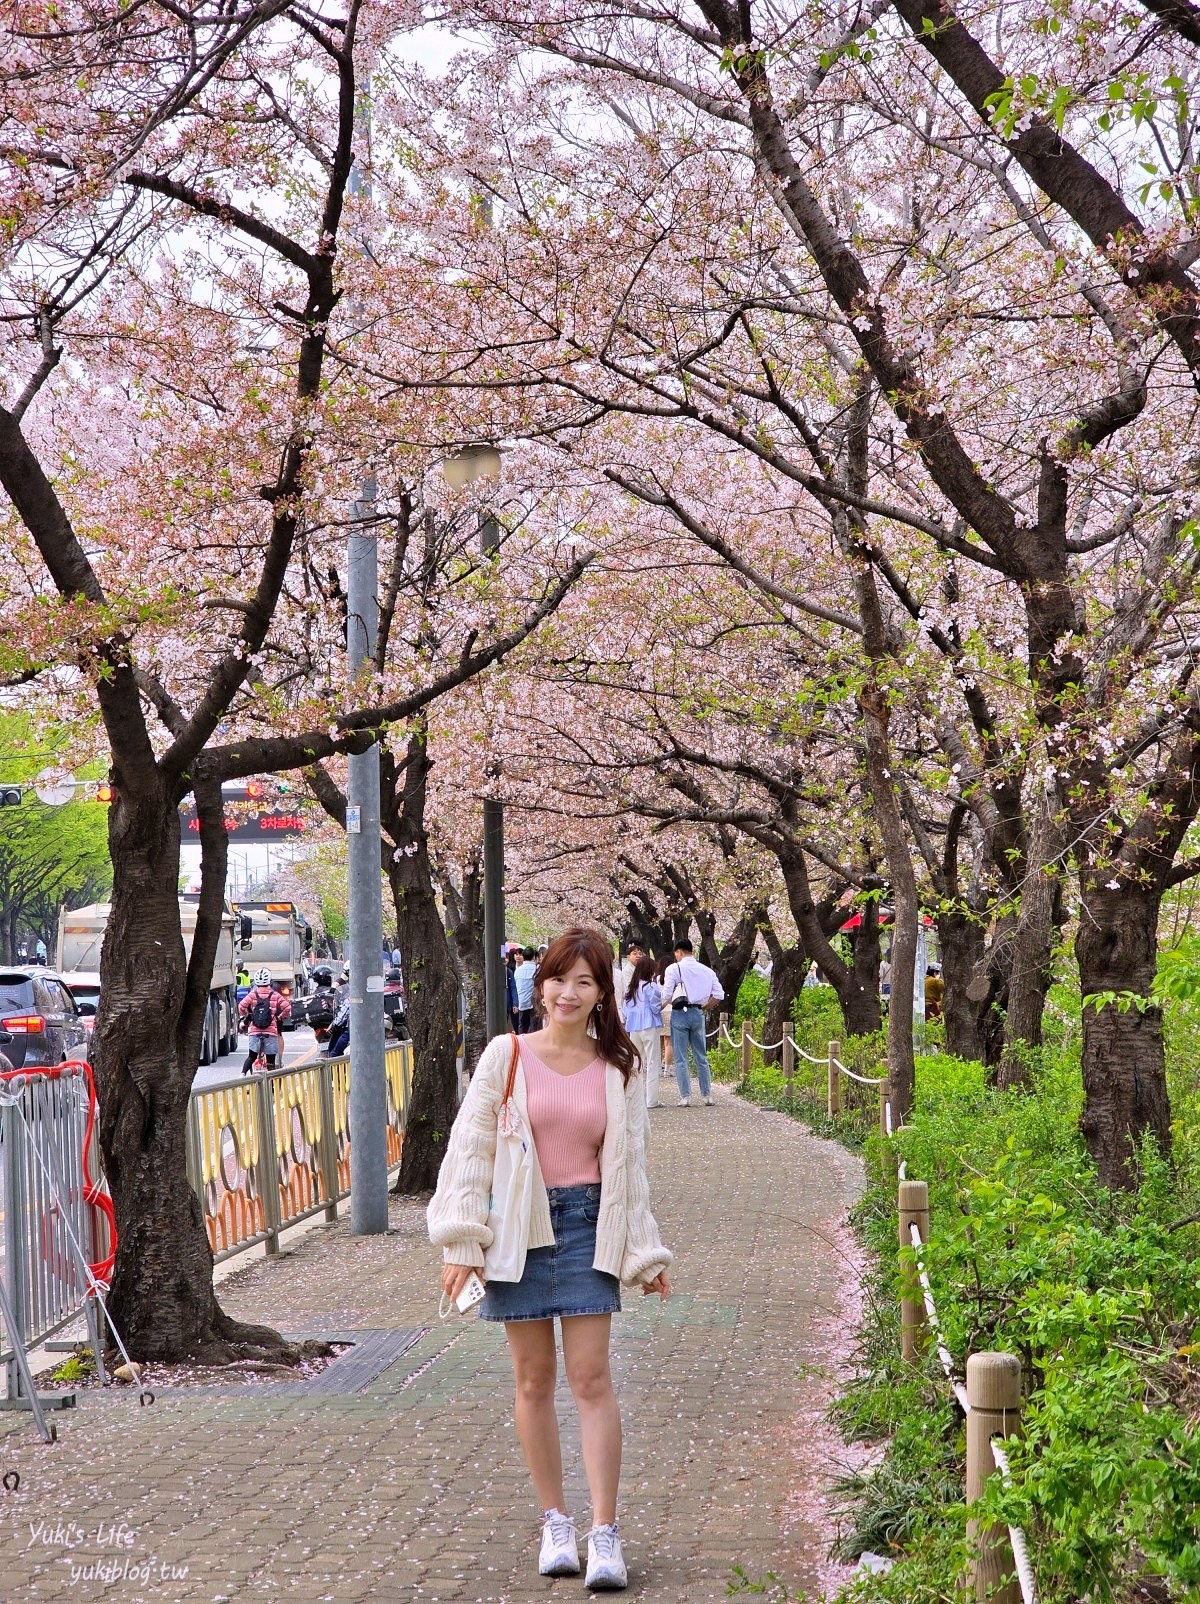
x=368 y=1086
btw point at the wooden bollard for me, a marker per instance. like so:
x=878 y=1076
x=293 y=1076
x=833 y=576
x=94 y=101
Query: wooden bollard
x=833 y=1100
x=994 y=1396
x=747 y=1050
x=913 y=1209
x=722 y=1028
x=789 y=1051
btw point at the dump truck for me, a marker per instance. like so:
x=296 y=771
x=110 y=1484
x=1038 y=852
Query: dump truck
x=278 y=941
x=81 y=935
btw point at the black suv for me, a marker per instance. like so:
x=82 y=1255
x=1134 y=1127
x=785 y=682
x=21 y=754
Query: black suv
x=39 y=1014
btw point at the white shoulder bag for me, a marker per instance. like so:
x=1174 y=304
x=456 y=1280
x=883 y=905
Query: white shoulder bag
x=512 y=1188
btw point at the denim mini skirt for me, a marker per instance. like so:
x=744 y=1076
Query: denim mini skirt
x=559 y=1280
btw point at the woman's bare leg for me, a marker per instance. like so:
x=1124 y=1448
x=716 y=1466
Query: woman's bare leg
x=585 y=1350
x=535 y=1367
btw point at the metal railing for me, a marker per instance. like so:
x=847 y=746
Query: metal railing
x=267 y=1151
x=56 y=1221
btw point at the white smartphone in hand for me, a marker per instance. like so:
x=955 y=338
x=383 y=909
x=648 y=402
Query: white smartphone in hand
x=472 y=1293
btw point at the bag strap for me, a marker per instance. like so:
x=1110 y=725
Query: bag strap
x=512 y=1067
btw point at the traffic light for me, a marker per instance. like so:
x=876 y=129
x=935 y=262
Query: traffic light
x=10 y=796
x=104 y=793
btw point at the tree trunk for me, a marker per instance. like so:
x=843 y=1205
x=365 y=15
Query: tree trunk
x=860 y=1004
x=645 y=924
x=1033 y=938
x=467 y=935
x=862 y=1011
x=162 y=1297
x=431 y=984
x=873 y=701
x=733 y=957
x=867 y=956
x=789 y=965
x=468 y=944
x=1124 y=1069
x=972 y=1025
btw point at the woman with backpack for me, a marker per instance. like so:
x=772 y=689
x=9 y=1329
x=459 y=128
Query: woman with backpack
x=264 y=1009
x=568 y=1096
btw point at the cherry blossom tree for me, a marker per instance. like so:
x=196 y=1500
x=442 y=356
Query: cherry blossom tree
x=179 y=444
x=945 y=210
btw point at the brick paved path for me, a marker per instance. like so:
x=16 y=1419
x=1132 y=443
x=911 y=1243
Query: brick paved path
x=414 y=1489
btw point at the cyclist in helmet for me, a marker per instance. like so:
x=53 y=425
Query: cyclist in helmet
x=264 y=1009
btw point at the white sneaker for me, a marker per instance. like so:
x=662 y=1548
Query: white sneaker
x=710 y=1102
x=606 y=1563
x=560 y=1546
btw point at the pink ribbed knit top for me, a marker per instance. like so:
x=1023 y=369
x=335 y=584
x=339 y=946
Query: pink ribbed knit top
x=568 y=1115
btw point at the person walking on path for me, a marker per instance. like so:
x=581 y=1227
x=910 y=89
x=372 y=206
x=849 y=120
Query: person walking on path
x=668 y=1053
x=935 y=991
x=573 y=1087
x=633 y=952
x=524 y=976
x=644 y=1022
x=689 y=986
x=511 y=958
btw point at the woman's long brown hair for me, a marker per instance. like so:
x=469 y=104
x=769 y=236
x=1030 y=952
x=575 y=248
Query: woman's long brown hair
x=645 y=969
x=560 y=957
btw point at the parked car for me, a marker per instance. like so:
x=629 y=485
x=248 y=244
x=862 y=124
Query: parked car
x=39 y=1013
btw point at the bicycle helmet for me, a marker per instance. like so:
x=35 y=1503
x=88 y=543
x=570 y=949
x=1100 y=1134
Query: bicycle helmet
x=262 y=977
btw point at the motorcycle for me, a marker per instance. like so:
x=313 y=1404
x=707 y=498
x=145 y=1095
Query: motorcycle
x=319 y=1010
x=395 y=1017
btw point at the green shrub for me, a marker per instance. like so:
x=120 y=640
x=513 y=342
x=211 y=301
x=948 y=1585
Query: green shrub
x=817 y=1016
x=80 y=1366
x=751 y=1001
x=1097 y=1296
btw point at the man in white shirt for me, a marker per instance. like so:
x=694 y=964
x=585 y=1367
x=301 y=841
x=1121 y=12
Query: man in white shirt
x=688 y=987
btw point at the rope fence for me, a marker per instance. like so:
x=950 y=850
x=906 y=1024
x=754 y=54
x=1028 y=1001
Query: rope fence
x=990 y=1400
x=836 y=1071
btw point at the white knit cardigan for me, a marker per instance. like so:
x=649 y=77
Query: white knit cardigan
x=627 y=1240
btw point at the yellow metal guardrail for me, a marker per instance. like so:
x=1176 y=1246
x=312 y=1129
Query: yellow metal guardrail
x=267 y=1151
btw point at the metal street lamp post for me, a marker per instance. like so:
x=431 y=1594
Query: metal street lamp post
x=368 y=1084
x=368 y=1091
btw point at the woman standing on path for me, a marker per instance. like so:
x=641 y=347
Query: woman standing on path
x=577 y=1094
x=665 y=1051
x=644 y=1022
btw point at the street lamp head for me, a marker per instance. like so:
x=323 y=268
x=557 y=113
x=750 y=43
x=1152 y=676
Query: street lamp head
x=473 y=462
